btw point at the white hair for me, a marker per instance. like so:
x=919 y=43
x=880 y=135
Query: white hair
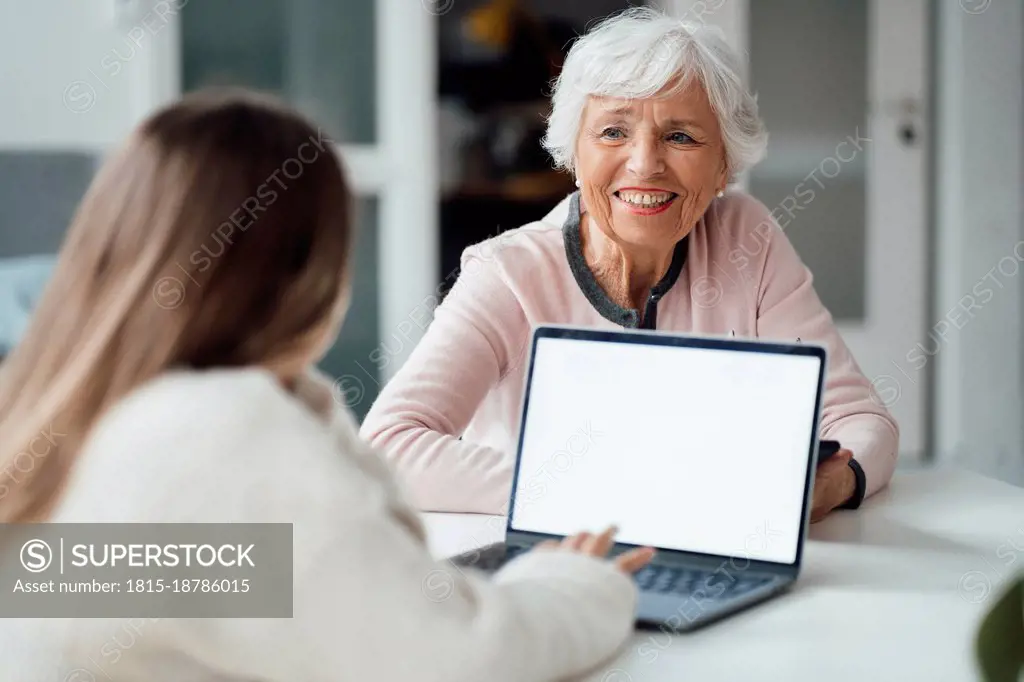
x=635 y=54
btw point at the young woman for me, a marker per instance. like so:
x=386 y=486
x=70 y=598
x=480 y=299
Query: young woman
x=168 y=377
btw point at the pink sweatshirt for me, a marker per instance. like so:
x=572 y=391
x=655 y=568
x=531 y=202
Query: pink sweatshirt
x=448 y=421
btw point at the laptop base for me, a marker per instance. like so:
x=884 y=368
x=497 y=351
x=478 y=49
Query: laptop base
x=675 y=612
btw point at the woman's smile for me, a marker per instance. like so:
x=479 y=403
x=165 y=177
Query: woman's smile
x=644 y=201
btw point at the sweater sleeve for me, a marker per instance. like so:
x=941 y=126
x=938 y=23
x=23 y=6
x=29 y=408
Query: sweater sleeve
x=788 y=308
x=419 y=417
x=370 y=603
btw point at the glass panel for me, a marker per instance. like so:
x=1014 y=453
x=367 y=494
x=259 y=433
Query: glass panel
x=809 y=68
x=317 y=54
x=351 y=361
x=39 y=192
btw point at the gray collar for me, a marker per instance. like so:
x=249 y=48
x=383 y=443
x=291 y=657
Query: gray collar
x=627 y=317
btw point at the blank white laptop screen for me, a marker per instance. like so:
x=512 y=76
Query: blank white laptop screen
x=695 y=449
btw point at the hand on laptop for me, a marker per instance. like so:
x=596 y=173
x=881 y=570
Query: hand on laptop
x=598 y=546
x=834 y=483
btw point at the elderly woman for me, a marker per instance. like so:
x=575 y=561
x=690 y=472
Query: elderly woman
x=654 y=121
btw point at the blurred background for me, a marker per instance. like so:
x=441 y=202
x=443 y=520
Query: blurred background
x=894 y=163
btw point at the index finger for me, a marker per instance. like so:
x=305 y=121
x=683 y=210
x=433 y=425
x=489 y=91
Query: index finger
x=600 y=544
x=635 y=559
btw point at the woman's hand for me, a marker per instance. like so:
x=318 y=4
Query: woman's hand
x=834 y=484
x=598 y=546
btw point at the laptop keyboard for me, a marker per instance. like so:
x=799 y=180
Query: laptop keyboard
x=490 y=558
x=714 y=585
x=651 y=578
x=512 y=551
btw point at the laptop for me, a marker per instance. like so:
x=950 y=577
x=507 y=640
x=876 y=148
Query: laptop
x=701 y=447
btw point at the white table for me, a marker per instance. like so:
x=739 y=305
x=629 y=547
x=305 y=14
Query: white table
x=892 y=591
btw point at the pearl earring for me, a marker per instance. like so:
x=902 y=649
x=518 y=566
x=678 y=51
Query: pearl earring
x=721 y=194
x=577 y=182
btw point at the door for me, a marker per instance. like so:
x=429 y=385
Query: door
x=842 y=87
x=364 y=70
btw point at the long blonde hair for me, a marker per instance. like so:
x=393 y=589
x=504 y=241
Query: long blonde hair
x=218 y=235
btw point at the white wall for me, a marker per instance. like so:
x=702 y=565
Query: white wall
x=75 y=73
x=980 y=358
x=728 y=15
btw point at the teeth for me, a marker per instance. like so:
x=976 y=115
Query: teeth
x=645 y=199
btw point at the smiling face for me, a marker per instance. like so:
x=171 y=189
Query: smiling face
x=649 y=168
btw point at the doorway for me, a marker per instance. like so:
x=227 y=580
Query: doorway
x=843 y=89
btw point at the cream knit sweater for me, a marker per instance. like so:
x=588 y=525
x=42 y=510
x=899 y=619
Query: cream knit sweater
x=234 y=446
